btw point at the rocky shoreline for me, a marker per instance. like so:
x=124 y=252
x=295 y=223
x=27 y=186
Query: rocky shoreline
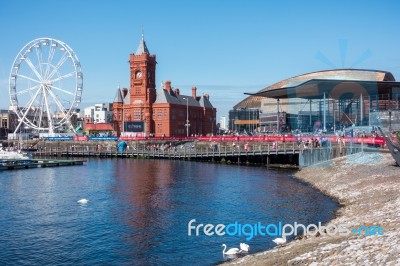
x=367 y=186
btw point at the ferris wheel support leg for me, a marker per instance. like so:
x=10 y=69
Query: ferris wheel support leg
x=27 y=110
x=71 y=127
x=17 y=128
x=49 y=118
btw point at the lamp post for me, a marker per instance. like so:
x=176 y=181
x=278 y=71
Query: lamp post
x=212 y=124
x=187 y=125
x=277 y=116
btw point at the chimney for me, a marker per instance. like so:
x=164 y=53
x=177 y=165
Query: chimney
x=124 y=92
x=176 y=91
x=206 y=96
x=167 y=86
x=194 y=89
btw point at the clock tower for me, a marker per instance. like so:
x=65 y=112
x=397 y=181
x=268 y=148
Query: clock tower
x=142 y=86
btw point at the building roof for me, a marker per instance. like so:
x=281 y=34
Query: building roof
x=98 y=127
x=164 y=97
x=142 y=47
x=315 y=84
x=118 y=96
x=205 y=102
x=332 y=88
x=127 y=99
x=249 y=102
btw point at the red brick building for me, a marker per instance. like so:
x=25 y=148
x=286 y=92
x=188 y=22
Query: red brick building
x=143 y=111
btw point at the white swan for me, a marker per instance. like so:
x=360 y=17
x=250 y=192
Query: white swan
x=280 y=240
x=231 y=251
x=244 y=247
x=83 y=201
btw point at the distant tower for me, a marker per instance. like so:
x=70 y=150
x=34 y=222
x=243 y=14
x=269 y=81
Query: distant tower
x=118 y=109
x=143 y=87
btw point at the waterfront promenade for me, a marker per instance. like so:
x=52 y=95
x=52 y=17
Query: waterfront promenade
x=175 y=150
x=278 y=153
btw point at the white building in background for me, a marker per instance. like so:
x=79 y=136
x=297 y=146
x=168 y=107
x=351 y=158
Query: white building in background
x=222 y=122
x=98 y=113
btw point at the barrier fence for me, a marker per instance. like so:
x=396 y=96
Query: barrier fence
x=269 y=138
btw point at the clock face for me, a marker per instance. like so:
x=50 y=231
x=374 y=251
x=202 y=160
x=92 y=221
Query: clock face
x=138 y=75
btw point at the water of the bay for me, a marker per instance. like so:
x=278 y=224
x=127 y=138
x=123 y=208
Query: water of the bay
x=138 y=211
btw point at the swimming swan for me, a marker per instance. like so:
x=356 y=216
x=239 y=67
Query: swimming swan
x=244 y=247
x=231 y=251
x=280 y=240
x=83 y=201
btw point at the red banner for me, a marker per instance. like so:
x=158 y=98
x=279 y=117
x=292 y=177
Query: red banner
x=269 y=138
x=81 y=138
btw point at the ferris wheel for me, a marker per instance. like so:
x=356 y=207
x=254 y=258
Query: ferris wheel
x=45 y=85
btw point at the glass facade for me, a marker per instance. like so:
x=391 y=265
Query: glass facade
x=244 y=120
x=309 y=116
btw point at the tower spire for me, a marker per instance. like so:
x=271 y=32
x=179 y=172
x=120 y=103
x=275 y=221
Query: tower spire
x=142 y=46
x=118 y=96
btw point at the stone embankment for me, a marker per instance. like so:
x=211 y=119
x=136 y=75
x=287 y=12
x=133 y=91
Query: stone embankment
x=367 y=186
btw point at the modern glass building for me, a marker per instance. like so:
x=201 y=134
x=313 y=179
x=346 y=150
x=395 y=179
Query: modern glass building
x=329 y=100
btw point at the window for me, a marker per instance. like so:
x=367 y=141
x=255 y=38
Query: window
x=159 y=128
x=159 y=114
x=4 y=123
x=137 y=115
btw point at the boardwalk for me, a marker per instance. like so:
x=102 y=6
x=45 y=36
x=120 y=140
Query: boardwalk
x=283 y=153
x=185 y=151
x=266 y=153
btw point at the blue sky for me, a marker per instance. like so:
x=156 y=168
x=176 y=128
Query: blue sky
x=225 y=48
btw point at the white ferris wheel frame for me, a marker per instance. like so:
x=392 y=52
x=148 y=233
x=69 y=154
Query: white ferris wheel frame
x=44 y=74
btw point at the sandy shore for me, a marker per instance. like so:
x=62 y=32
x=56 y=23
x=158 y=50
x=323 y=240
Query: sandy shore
x=368 y=188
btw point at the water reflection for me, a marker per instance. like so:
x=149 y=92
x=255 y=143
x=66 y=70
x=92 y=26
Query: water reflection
x=143 y=191
x=158 y=198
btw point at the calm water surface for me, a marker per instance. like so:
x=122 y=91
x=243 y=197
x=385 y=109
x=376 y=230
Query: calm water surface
x=138 y=211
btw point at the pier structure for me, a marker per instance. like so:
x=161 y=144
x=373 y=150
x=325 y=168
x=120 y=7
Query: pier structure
x=13 y=164
x=276 y=154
